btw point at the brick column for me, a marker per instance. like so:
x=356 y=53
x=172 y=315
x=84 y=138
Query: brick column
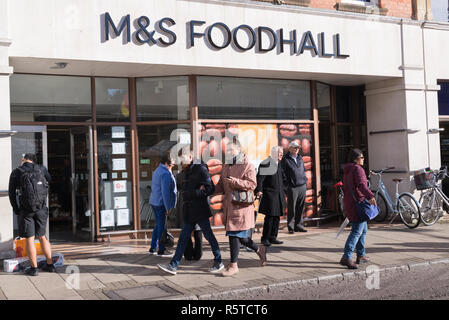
x=6 y=218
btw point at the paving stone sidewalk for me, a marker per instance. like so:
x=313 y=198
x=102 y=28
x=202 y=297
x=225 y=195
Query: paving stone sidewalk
x=129 y=272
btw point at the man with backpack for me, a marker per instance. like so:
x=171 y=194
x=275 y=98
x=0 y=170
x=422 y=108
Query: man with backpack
x=31 y=180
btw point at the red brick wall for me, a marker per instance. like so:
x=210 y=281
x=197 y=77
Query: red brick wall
x=398 y=8
x=323 y=4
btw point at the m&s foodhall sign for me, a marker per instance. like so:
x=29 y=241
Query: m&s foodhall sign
x=161 y=34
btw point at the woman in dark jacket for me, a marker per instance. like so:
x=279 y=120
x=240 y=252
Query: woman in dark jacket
x=355 y=189
x=196 y=187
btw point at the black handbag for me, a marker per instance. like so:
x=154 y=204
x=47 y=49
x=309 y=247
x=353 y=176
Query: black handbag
x=167 y=238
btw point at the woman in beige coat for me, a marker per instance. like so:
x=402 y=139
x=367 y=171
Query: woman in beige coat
x=238 y=218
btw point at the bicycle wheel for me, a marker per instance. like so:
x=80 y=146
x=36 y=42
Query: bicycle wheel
x=408 y=209
x=431 y=205
x=382 y=205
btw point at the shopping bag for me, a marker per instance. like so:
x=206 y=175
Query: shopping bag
x=21 y=249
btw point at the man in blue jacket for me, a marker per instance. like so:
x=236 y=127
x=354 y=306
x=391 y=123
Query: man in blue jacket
x=295 y=174
x=162 y=200
x=197 y=186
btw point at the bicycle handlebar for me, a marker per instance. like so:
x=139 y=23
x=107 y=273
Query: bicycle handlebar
x=382 y=170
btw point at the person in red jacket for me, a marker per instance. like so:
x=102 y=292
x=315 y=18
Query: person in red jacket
x=355 y=189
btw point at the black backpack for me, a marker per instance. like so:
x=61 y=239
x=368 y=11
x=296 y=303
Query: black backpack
x=33 y=189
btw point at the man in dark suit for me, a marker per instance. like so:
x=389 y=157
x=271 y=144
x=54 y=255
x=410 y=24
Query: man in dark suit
x=270 y=186
x=294 y=170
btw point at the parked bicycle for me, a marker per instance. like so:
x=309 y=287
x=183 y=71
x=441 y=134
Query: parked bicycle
x=432 y=196
x=340 y=197
x=405 y=204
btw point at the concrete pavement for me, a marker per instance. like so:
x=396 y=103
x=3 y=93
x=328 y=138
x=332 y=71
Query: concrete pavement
x=124 y=269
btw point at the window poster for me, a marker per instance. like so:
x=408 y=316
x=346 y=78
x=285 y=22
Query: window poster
x=119 y=164
x=122 y=217
x=119 y=186
x=107 y=218
x=120 y=203
x=119 y=148
x=118 y=132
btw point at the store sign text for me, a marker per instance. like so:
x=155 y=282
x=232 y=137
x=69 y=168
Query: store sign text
x=262 y=38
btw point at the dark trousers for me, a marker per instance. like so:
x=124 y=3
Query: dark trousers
x=194 y=252
x=296 y=200
x=186 y=234
x=270 y=228
x=234 y=244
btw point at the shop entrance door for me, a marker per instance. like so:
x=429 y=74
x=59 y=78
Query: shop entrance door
x=82 y=183
x=28 y=139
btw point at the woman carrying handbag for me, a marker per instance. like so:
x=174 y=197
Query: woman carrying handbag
x=237 y=183
x=355 y=183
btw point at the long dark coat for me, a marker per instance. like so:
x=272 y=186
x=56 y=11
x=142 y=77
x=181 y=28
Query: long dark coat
x=270 y=181
x=195 y=206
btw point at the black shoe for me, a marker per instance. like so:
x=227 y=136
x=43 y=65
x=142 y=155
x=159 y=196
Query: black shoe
x=49 y=268
x=291 y=231
x=266 y=243
x=300 y=229
x=31 y=271
x=276 y=241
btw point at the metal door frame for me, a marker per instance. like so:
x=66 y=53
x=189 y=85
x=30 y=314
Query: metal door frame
x=91 y=190
x=43 y=130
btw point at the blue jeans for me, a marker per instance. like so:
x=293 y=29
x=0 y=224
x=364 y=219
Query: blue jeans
x=356 y=240
x=186 y=233
x=159 y=213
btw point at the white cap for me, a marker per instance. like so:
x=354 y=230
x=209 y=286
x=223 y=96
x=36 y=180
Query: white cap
x=293 y=144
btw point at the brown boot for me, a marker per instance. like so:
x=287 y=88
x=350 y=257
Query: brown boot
x=348 y=263
x=363 y=259
x=262 y=253
x=231 y=269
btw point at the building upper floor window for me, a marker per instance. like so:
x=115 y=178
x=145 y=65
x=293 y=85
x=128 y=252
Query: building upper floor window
x=440 y=10
x=443 y=99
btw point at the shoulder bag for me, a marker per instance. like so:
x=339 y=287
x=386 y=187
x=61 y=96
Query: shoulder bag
x=167 y=238
x=365 y=210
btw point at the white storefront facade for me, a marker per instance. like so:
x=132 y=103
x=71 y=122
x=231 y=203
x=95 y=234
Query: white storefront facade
x=398 y=61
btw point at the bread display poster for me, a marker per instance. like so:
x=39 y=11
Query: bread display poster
x=257 y=141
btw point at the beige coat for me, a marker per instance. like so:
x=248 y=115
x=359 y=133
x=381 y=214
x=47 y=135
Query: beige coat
x=237 y=217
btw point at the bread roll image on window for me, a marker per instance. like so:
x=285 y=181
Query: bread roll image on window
x=310 y=210
x=308 y=165
x=288 y=130
x=310 y=193
x=284 y=143
x=218 y=219
x=307 y=159
x=233 y=129
x=304 y=129
x=309 y=179
x=309 y=200
x=215 y=179
x=203 y=146
x=305 y=146
x=224 y=144
x=215 y=166
x=220 y=127
x=213 y=149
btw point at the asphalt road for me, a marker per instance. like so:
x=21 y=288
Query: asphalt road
x=427 y=283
